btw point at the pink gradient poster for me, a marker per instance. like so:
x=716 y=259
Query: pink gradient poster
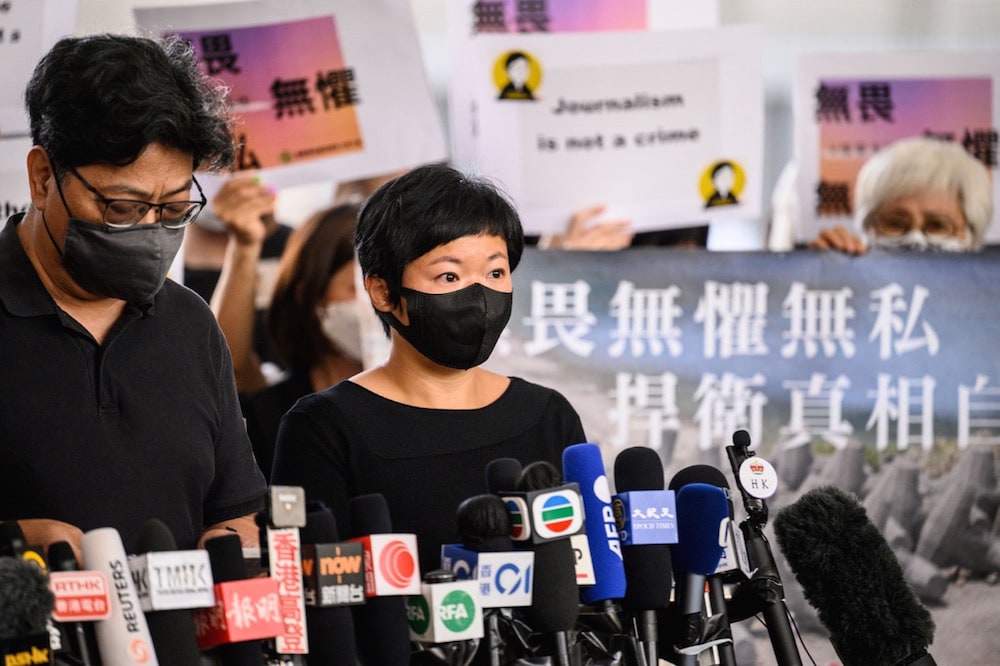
x=559 y=16
x=857 y=117
x=291 y=104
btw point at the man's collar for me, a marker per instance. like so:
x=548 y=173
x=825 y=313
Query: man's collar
x=21 y=290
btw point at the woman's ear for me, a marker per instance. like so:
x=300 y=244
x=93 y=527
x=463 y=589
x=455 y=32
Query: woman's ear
x=378 y=292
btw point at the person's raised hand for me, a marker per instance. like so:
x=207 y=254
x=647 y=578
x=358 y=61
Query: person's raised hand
x=838 y=238
x=584 y=233
x=245 y=207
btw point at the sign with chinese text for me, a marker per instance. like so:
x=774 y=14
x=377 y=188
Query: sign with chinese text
x=877 y=374
x=313 y=101
x=889 y=349
x=847 y=106
x=663 y=128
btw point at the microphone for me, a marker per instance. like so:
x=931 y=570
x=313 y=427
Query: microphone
x=583 y=465
x=487 y=555
x=123 y=639
x=850 y=575
x=391 y=571
x=334 y=579
x=718 y=612
x=555 y=602
x=12 y=542
x=757 y=480
x=169 y=584
x=80 y=596
x=246 y=610
x=284 y=514
x=26 y=603
x=446 y=618
x=703 y=517
x=502 y=475
x=646 y=559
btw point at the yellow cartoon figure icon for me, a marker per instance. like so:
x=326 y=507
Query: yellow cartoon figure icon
x=721 y=183
x=517 y=75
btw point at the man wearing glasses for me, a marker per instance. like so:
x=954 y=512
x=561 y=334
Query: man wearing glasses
x=117 y=401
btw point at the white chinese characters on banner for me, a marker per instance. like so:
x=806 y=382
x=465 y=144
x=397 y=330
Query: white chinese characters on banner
x=676 y=346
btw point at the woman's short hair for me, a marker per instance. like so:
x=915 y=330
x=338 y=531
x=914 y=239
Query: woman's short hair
x=427 y=207
x=319 y=248
x=925 y=165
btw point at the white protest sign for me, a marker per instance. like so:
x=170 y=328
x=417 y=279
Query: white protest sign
x=27 y=29
x=664 y=128
x=469 y=18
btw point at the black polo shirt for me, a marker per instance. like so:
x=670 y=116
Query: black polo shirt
x=145 y=425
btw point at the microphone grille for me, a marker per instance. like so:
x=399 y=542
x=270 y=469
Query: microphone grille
x=502 y=475
x=321 y=527
x=539 y=475
x=638 y=468
x=225 y=555
x=706 y=474
x=155 y=536
x=61 y=557
x=370 y=515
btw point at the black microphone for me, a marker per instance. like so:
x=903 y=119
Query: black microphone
x=172 y=631
x=26 y=603
x=765 y=581
x=555 y=603
x=225 y=553
x=504 y=575
x=330 y=628
x=648 y=571
x=383 y=634
x=12 y=542
x=502 y=475
x=850 y=575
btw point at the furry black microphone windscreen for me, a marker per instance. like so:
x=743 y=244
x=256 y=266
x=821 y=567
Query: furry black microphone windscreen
x=851 y=576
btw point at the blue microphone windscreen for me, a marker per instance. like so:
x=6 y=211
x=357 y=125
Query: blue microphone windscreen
x=582 y=464
x=702 y=513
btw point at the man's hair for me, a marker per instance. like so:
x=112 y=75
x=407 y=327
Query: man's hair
x=427 y=207
x=102 y=99
x=923 y=165
x=316 y=250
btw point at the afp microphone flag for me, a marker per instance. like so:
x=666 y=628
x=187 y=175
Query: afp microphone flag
x=582 y=464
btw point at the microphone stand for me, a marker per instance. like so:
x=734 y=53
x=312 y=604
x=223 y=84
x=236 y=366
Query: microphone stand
x=764 y=584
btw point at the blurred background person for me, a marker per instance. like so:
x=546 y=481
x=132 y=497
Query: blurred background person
x=917 y=194
x=231 y=262
x=312 y=322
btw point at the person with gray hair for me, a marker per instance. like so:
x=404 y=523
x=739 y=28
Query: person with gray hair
x=917 y=194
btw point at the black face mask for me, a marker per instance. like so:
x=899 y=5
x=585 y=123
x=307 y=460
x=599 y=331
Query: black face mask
x=130 y=264
x=457 y=329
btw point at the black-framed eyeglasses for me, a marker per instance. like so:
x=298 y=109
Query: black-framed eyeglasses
x=123 y=213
